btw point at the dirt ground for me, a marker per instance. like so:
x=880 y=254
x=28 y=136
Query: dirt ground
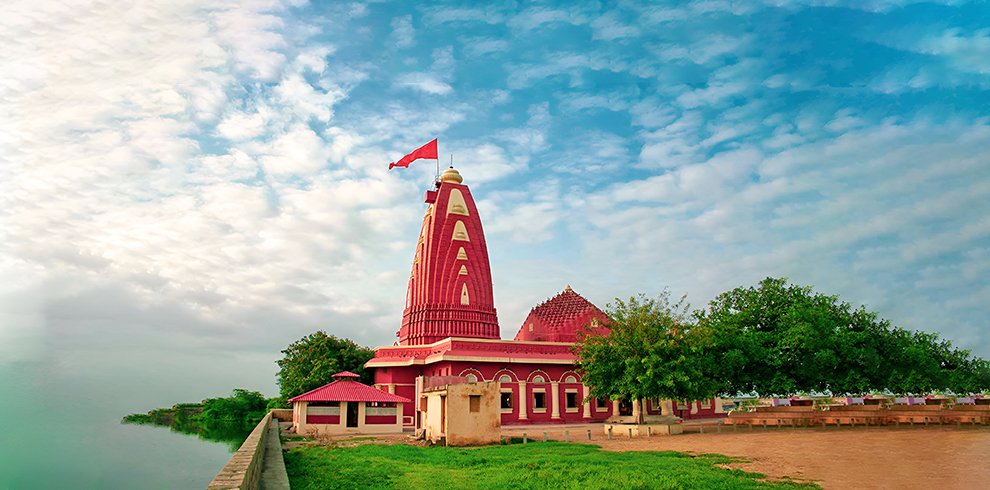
x=874 y=457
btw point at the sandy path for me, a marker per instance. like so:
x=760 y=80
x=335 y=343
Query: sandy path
x=934 y=457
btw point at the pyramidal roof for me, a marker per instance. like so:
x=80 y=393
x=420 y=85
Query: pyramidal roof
x=559 y=318
x=347 y=389
x=563 y=308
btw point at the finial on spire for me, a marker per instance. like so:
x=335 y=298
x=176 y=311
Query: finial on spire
x=568 y=287
x=451 y=175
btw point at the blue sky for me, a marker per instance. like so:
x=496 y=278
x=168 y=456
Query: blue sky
x=188 y=187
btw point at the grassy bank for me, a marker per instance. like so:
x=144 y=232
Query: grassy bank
x=537 y=465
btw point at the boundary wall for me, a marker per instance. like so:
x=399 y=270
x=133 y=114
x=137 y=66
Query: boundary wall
x=243 y=470
x=808 y=416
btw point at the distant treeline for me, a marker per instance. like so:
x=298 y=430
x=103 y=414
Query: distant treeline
x=227 y=419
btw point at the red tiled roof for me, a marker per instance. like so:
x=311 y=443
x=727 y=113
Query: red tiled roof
x=346 y=390
x=563 y=308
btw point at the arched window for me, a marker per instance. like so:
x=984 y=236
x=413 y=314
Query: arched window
x=504 y=379
x=570 y=379
x=471 y=378
x=538 y=379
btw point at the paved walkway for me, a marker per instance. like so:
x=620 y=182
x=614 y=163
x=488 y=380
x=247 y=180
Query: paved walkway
x=273 y=476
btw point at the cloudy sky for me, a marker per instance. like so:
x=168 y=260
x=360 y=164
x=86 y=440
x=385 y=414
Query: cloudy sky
x=187 y=187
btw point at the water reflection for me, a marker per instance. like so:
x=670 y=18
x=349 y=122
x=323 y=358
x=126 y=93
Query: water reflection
x=230 y=434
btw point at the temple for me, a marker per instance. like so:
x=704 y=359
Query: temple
x=450 y=287
x=450 y=328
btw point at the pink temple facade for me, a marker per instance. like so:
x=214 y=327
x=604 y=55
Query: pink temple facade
x=450 y=328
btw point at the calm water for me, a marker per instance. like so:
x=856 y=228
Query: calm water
x=110 y=455
x=59 y=439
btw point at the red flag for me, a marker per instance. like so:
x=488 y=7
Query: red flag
x=428 y=151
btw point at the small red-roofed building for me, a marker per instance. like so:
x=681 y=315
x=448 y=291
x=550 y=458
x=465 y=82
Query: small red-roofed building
x=347 y=406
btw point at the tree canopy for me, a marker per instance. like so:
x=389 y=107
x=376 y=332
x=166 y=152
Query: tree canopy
x=242 y=407
x=777 y=338
x=652 y=350
x=774 y=338
x=311 y=361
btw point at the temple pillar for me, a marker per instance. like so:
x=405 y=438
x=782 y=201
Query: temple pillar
x=586 y=392
x=637 y=405
x=523 y=413
x=615 y=408
x=666 y=408
x=302 y=408
x=555 y=399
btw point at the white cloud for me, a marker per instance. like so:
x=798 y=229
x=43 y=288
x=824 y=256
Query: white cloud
x=239 y=126
x=537 y=17
x=445 y=14
x=484 y=162
x=862 y=215
x=706 y=50
x=477 y=47
x=298 y=151
x=403 y=32
x=609 y=27
x=423 y=82
x=119 y=194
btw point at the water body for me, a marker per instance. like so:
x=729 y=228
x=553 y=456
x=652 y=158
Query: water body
x=61 y=438
x=109 y=455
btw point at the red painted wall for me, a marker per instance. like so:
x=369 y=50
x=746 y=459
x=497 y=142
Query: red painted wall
x=322 y=419
x=379 y=419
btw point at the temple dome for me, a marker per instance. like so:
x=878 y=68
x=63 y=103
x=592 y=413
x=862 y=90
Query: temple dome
x=451 y=175
x=559 y=319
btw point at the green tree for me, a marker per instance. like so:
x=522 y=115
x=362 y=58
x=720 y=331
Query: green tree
x=244 y=408
x=311 y=361
x=778 y=339
x=652 y=350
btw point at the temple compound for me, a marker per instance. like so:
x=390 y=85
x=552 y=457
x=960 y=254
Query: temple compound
x=450 y=328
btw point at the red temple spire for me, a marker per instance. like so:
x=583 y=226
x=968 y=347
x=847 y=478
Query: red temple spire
x=450 y=287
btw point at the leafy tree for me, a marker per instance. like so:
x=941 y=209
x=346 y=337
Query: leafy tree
x=311 y=361
x=652 y=350
x=778 y=339
x=242 y=408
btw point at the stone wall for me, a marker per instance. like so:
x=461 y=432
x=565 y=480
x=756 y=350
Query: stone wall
x=243 y=471
x=282 y=414
x=873 y=414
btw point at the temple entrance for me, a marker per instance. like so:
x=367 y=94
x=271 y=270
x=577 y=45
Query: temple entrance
x=352 y=414
x=625 y=407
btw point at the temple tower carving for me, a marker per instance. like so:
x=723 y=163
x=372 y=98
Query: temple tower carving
x=450 y=286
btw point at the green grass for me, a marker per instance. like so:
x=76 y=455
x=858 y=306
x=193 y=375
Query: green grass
x=535 y=465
